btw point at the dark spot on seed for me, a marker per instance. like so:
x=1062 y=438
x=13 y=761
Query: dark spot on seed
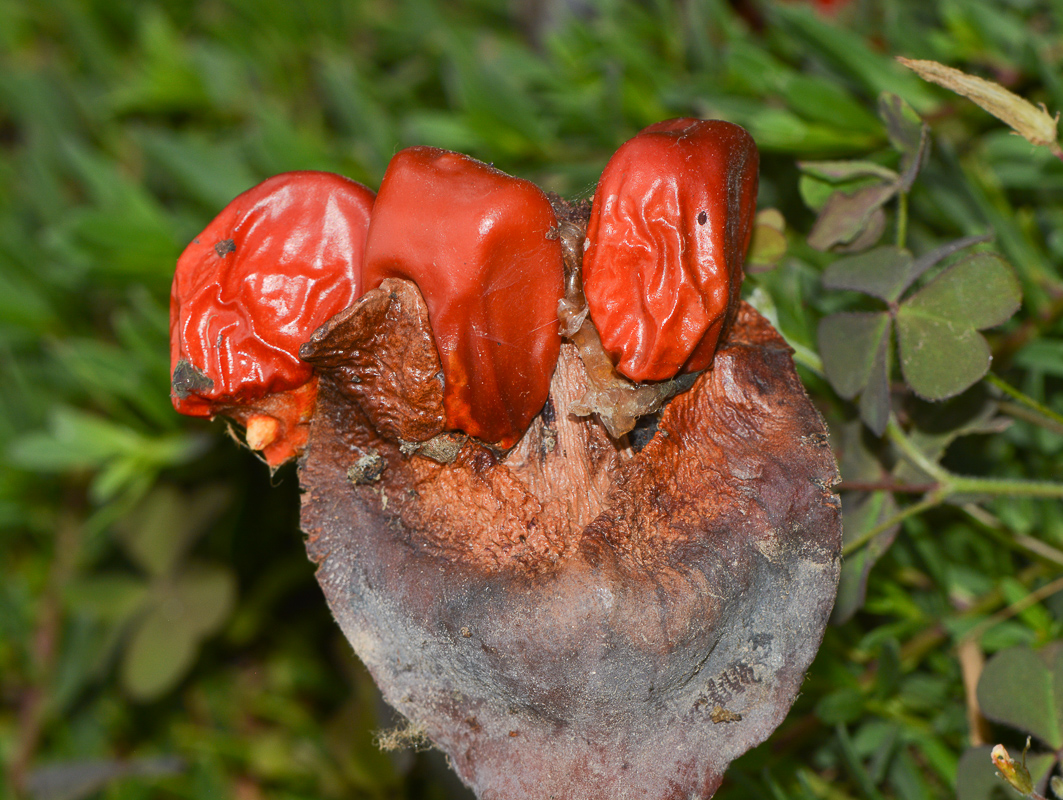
x=703 y=218
x=189 y=380
x=548 y=412
x=224 y=247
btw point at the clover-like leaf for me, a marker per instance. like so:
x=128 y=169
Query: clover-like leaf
x=846 y=214
x=942 y=353
x=875 y=399
x=940 y=358
x=110 y=596
x=167 y=523
x=160 y=651
x=884 y=272
x=855 y=351
x=163 y=645
x=908 y=134
x=205 y=593
x=981 y=289
x=1020 y=689
x=938 y=254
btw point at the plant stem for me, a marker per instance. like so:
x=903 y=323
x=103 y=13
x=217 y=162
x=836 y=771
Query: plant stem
x=1007 y=487
x=1024 y=399
x=932 y=499
x=902 y=218
x=1015 y=608
x=885 y=486
x=916 y=456
x=947 y=486
x=1031 y=547
x=37 y=700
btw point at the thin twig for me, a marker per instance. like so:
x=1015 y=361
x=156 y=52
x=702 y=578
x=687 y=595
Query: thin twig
x=928 y=502
x=1017 y=607
x=1052 y=420
x=948 y=486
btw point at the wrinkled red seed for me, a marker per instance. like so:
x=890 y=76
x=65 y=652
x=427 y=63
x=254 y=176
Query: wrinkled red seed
x=670 y=224
x=478 y=244
x=276 y=263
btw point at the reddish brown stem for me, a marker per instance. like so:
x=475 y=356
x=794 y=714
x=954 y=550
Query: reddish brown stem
x=33 y=710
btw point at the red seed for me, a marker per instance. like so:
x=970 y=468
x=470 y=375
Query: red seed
x=670 y=224
x=479 y=245
x=276 y=263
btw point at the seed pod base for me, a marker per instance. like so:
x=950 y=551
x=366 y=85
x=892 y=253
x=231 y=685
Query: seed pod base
x=583 y=619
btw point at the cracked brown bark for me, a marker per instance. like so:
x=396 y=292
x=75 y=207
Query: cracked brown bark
x=578 y=619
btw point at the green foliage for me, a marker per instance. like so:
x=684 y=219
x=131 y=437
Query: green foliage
x=160 y=631
x=941 y=352
x=1024 y=690
x=850 y=204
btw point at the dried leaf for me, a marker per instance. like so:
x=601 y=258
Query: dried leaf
x=1036 y=125
x=846 y=215
x=884 y=272
x=849 y=343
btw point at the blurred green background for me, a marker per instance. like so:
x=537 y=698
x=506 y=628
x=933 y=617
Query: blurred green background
x=161 y=634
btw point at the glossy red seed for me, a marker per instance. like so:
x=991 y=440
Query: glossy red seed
x=276 y=263
x=670 y=224
x=481 y=247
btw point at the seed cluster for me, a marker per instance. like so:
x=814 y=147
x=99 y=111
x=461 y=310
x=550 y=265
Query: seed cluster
x=658 y=267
